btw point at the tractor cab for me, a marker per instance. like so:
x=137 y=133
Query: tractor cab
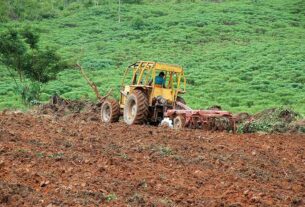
x=146 y=76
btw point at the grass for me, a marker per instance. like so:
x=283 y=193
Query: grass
x=111 y=197
x=57 y=156
x=242 y=55
x=165 y=151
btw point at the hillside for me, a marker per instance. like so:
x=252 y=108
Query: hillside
x=243 y=55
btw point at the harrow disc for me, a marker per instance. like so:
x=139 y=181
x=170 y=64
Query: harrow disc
x=179 y=122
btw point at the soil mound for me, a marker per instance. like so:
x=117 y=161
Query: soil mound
x=270 y=121
x=60 y=107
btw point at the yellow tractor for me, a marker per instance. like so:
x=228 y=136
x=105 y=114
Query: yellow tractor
x=148 y=90
x=150 y=94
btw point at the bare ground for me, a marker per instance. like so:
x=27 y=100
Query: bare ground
x=47 y=161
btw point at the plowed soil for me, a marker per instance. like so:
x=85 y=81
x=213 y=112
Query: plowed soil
x=47 y=161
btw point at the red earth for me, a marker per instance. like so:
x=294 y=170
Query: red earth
x=48 y=161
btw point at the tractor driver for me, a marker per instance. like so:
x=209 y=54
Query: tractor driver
x=160 y=81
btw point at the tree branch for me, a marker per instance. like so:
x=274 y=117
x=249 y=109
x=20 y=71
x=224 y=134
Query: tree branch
x=12 y=76
x=93 y=85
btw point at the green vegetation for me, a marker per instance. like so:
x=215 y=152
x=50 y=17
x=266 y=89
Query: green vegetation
x=111 y=197
x=245 y=55
x=21 y=56
x=165 y=151
x=57 y=156
x=272 y=120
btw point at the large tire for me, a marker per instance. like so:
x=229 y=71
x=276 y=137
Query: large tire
x=110 y=111
x=136 y=108
x=179 y=122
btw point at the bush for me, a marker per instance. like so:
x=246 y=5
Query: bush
x=137 y=23
x=249 y=104
x=235 y=102
x=190 y=81
x=30 y=93
x=133 y=1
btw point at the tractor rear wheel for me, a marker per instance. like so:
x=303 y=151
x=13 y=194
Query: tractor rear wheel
x=179 y=122
x=136 y=108
x=110 y=111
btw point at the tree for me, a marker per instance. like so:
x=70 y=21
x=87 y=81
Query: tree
x=21 y=55
x=119 y=12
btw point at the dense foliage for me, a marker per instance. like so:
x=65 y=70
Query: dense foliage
x=243 y=55
x=43 y=9
x=22 y=57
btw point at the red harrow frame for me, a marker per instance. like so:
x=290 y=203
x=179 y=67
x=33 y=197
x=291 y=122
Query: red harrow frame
x=201 y=119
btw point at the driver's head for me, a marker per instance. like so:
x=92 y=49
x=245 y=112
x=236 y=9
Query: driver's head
x=161 y=74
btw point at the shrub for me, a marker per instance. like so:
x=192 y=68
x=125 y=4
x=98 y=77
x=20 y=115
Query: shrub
x=30 y=93
x=133 y=1
x=138 y=23
x=190 y=81
x=249 y=104
x=235 y=102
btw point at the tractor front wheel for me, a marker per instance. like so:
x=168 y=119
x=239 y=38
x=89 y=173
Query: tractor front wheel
x=110 y=111
x=136 y=108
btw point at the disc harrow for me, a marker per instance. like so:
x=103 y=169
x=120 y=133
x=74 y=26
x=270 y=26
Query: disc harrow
x=214 y=120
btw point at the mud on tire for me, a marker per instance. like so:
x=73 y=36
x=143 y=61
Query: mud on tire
x=110 y=111
x=136 y=108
